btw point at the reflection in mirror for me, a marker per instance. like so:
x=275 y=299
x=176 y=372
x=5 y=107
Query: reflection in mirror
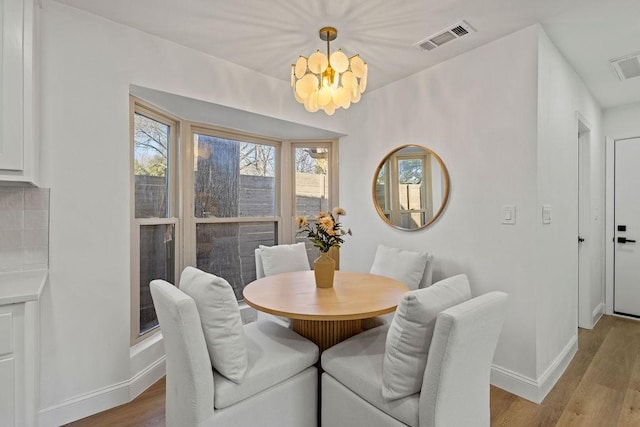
x=410 y=187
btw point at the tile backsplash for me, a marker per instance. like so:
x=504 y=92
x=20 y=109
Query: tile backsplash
x=24 y=228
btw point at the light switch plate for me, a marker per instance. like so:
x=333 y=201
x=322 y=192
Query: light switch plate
x=546 y=214
x=509 y=214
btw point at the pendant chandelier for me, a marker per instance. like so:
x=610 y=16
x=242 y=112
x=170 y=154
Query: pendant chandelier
x=328 y=81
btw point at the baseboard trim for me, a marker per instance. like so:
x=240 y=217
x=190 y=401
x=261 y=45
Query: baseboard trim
x=557 y=368
x=84 y=405
x=513 y=382
x=145 y=379
x=528 y=388
x=102 y=399
x=597 y=314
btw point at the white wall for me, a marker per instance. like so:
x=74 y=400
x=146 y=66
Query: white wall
x=506 y=134
x=622 y=122
x=561 y=96
x=619 y=123
x=478 y=112
x=87 y=66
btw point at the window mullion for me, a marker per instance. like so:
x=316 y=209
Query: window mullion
x=187 y=172
x=287 y=193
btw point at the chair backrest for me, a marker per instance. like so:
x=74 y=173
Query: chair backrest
x=427 y=278
x=282 y=258
x=404 y=265
x=189 y=398
x=259 y=266
x=455 y=387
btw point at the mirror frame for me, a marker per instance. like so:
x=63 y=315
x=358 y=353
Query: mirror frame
x=445 y=175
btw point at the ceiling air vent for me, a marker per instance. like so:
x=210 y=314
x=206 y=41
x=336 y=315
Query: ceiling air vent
x=627 y=66
x=453 y=32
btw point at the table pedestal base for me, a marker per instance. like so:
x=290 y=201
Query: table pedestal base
x=327 y=333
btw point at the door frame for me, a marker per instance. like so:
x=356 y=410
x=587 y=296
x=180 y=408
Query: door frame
x=585 y=315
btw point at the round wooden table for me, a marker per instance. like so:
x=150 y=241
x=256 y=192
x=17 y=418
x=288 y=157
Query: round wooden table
x=325 y=316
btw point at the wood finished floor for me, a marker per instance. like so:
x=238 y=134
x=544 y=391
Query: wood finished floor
x=601 y=387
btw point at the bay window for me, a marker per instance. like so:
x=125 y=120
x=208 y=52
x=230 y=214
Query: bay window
x=208 y=197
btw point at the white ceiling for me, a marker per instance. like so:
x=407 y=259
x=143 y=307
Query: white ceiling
x=593 y=33
x=268 y=35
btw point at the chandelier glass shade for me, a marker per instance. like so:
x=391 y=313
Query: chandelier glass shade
x=327 y=82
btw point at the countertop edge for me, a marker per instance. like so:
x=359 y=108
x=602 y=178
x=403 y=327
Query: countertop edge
x=20 y=287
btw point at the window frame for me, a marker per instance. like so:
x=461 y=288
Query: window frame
x=190 y=220
x=332 y=201
x=138 y=106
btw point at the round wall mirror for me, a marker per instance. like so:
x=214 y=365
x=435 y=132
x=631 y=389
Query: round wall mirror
x=410 y=187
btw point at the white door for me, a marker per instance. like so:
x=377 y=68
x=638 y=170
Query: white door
x=626 y=293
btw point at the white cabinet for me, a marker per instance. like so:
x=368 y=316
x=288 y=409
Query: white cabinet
x=18 y=153
x=19 y=343
x=6 y=392
x=18 y=374
x=7 y=370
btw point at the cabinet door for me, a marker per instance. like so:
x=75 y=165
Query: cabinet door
x=7 y=404
x=7 y=368
x=11 y=77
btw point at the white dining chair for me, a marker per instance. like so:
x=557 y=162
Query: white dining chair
x=278 y=259
x=220 y=373
x=413 y=268
x=429 y=368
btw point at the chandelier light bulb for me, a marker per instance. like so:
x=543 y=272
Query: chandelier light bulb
x=328 y=81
